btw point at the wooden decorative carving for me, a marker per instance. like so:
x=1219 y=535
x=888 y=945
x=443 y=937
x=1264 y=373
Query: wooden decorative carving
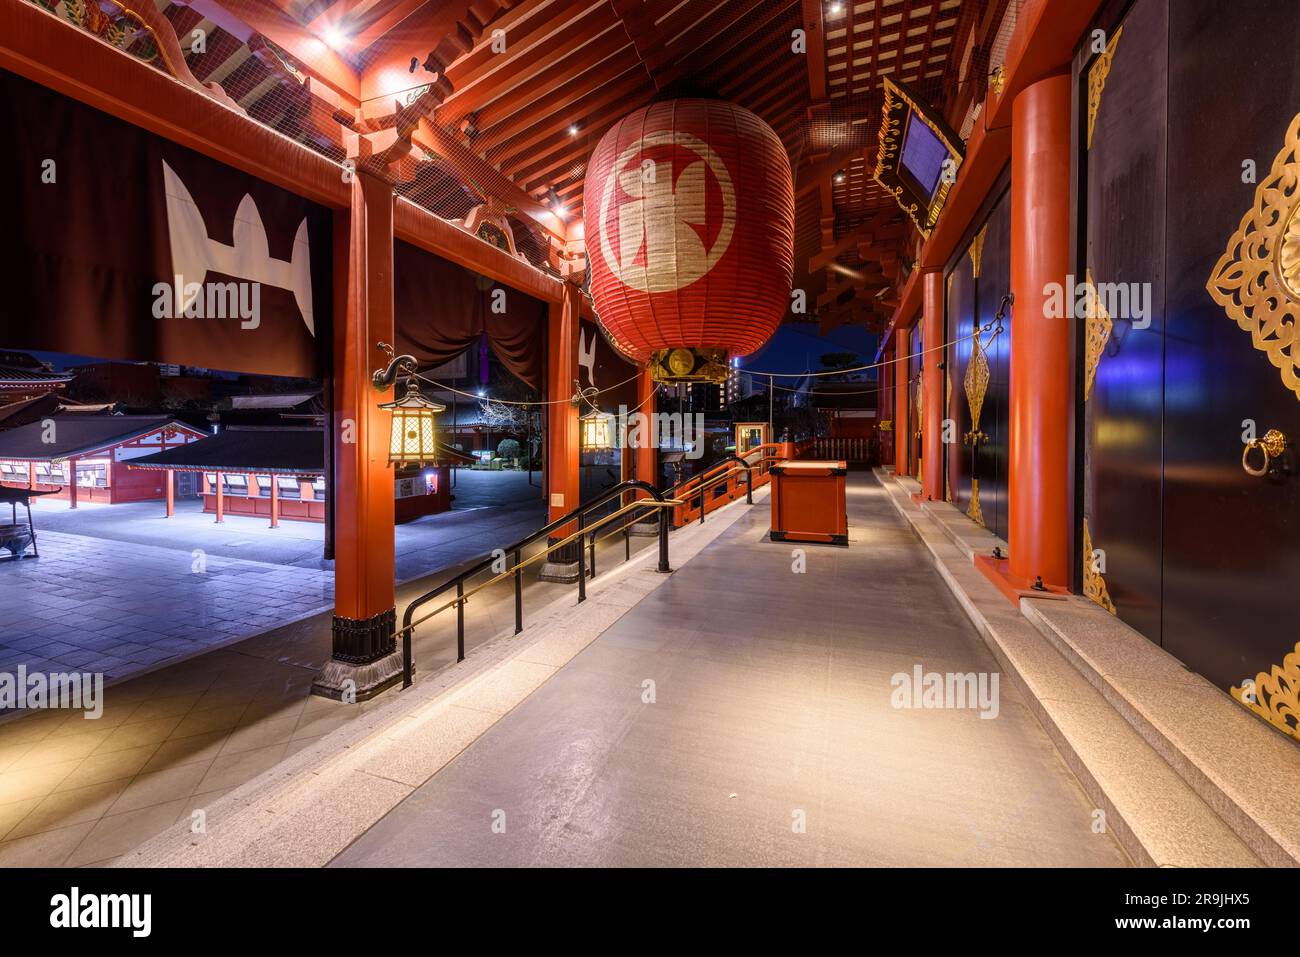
x=131 y=22
x=1257 y=279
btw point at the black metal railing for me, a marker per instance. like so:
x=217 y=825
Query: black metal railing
x=585 y=536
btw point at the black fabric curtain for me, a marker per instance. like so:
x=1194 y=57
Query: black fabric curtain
x=90 y=259
x=442 y=309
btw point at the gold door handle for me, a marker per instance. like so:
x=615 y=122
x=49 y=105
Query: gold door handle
x=1272 y=445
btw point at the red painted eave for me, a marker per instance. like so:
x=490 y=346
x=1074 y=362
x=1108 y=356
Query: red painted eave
x=43 y=48
x=1043 y=43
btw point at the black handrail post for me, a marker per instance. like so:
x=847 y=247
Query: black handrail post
x=663 y=541
x=408 y=668
x=627 y=543
x=519 y=596
x=460 y=618
x=749 y=487
x=582 y=558
x=592 y=538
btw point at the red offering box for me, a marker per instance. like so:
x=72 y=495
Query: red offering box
x=808 y=503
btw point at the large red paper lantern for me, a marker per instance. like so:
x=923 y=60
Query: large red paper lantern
x=689 y=216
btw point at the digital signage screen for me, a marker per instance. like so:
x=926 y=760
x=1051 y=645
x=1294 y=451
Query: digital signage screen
x=923 y=155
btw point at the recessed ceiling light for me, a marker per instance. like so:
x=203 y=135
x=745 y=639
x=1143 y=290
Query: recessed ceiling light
x=573 y=130
x=335 y=38
x=835 y=9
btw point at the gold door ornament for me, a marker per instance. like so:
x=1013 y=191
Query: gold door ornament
x=1097 y=74
x=1096 y=336
x=920 y=432
x=976 y=384
x=1094 y=586
x=973 y=510
x=1257 y=279
x=1275 y=695
x=977 y=250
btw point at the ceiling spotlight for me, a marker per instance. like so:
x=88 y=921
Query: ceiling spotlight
x=835 y=9
x=573 y=129
x=840 y=176
x=335 y=38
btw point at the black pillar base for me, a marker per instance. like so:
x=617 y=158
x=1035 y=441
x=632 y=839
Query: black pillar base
x=365 y=659
x=561 y=564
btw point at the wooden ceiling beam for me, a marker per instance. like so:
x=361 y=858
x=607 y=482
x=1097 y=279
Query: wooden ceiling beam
x=511 y=141
x=739 y=38
x=874 y=230
x=637 y=19
x=559 y=99
x=548 y=66
x=678 y=26
x=310 y=52
x=814 y=30
x=470 y=167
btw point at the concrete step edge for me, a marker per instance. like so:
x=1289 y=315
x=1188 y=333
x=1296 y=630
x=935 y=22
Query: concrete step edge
x=1155 y=816
x=1246 y=772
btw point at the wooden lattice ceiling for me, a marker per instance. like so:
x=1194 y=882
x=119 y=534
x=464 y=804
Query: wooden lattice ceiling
x=519 y=123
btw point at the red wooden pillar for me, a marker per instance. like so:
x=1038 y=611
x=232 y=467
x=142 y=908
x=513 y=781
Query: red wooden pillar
x=219 y=481
x=31 y=475
x=275 y=501
x=364 y=659
x=932 y=384
x=561 y=371
x=647 y=455
x=884 y=390
x=562 y=432
x=902 y=424
x=1041 y=506
x=169 y=479
x=72 y=483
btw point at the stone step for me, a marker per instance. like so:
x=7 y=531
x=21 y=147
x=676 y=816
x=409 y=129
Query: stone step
x=971 y=538
x=1242 y=768
x=1154 y=814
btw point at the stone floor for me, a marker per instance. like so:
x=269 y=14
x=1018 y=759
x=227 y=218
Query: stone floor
x=119 y=589
x=770 y=737
x=76 y=791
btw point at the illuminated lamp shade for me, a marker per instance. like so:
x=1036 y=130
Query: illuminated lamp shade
x=689 y=218
x=413 y=434
x=597 y=435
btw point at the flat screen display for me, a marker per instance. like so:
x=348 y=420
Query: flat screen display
x=923 y=155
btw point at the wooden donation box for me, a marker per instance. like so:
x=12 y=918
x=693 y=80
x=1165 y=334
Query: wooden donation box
x=808 y=503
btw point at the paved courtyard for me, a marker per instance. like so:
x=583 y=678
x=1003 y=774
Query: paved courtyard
x=120 y=589
x=75 y=792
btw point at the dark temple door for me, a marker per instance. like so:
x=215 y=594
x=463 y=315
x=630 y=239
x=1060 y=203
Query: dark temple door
x=993 y=281
x=1123 y=163
x=1232 y=540
x=962 y=394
